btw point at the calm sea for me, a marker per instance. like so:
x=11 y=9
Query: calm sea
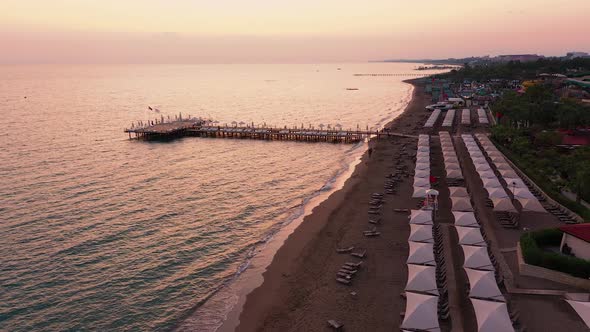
x=99 y=232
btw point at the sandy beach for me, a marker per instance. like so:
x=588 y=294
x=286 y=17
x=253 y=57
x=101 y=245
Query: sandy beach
x=300 y=293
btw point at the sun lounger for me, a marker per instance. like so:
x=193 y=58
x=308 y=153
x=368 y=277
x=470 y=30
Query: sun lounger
x=359 y=254
x=357 y=264
x=372 y=234
x=344 y=250
x=335 y=325
x=343 y=275
x=343 y=281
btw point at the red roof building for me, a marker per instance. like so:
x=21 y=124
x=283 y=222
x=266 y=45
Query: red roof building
x=576 y=240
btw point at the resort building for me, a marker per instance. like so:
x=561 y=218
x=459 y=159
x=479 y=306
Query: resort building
x=576 y=240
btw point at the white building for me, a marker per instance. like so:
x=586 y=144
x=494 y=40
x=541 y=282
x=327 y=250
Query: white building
x=577 y=238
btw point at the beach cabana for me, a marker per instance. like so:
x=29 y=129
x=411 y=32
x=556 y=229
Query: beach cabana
x=465 y=219
x=531 y=205
x=458 y=192
x=496 y=192
x=521 y=192
x=421 y=313
x=422 y=165
x=421 y=182
x=421 y=217
x=454 y=174
x=477 y=258
x=491 y=183
x=422 y=173
x=421 y=233
x=489 y=174
x=470 y=236
x=514 y=183
x=582 y=309
x=492 y=316
x=461 y=204
x=421 y=254
x=508 y=173
x=483 y=167
x=419 y=192
x=422 y=279
x=482 y=285
x=503 y=205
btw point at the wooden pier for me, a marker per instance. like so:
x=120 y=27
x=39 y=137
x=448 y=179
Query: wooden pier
x=200 y=128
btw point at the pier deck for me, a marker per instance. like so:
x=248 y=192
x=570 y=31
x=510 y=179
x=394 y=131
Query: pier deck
x=201 y=129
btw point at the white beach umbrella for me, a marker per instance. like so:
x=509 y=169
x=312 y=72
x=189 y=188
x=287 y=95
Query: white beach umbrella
x=487 y=175
x=448 y=148
x=492 y=154
x=423 y=159
x=479 y=161
x=482 y=285
x=482 y=167
x=461 y=204
x=419 y=192
x=582 y=309
x=449 y=166
x=458 y=192
x=421 y=313
x=492 y=316
x=477 y=258
x=470 y=236
x=421 y=233
x=514 y=183
x=521 y=192
x=503 y=205
x=424 y=148
x=498 y=159
x=503 y=166
x=491 y=183
x=422 y=279
x=508 y=173
x=421 y=182
x=451 y=159
x=421 y=217
x=421 y=254
x=476 y=154
x=423 y=165
x=454 y=174
x=496 y=192
x=465 y=219
x=422 y=154
x=531 y=205
x=422 y=173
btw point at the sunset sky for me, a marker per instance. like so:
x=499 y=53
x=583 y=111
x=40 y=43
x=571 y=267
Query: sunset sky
x=239 y=31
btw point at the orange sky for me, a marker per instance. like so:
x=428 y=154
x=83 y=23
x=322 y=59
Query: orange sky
x=220 y=31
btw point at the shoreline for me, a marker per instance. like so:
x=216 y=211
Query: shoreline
x=273 y=304
x=233 y=295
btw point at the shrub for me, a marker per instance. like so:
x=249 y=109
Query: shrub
x=534 y=255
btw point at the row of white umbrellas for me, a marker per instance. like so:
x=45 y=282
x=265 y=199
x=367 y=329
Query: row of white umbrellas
x=514 y=183
x=421 y=288
x=432 y=118
x=482 y=116
x=449 y=117
x=422 y=169
x=452 y=168
x=466 y=116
